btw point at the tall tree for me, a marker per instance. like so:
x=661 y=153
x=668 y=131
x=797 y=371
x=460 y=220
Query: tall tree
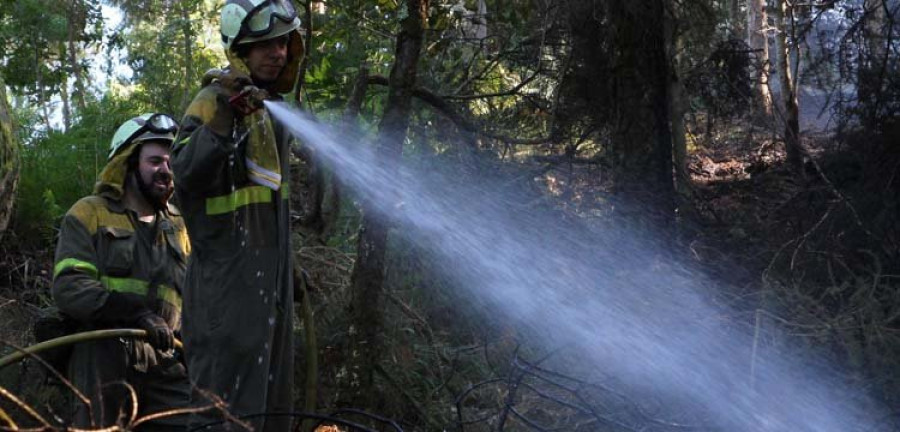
x=79 y=15
x=368 y=274
x=9 y=162
x=641 y=135
x=785 y=42
x=758 y=40
x=674 y=44
x=187 y=43
x=873 y=58
x=617 y=88
x=737 y=21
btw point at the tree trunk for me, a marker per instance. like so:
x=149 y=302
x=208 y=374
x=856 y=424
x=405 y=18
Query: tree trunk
x=674 y=45
x=662 y=168
x=188 y=35
x=368 y=274
x=9 y=162
x=64 y=94
x=75 y=25
x=758 y=41
x=737 y=20
x=41 y=91
x=642 y=147
x=784 y=22
x=309 y=7
x=872 y=60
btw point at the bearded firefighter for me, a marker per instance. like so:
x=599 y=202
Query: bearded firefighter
x=120 y=262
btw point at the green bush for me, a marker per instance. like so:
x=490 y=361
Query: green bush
x=61 y=167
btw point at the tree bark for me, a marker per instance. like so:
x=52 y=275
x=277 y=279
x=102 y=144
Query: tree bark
x=188 y=35
x=9 y=163
x=674 y=45
x=737 y=20
x=64 y=95
x=368 y=274
x=642 y=138
x=308 y=7
x=41 y=90
x=75 y=23
x=661 y=85
x=757 y=39
x=873 y=59
x=784 y=22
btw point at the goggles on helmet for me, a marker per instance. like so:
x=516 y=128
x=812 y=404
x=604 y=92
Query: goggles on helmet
x=145 y=127
x=261 y=19
x=157 y=123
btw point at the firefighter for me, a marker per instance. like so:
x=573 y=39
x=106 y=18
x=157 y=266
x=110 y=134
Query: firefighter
x=120 y=263
x=231 y=162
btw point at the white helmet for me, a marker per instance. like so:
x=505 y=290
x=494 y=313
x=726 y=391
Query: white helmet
x=143 y=128
x=246 y=21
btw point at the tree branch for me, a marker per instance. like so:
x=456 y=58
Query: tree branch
x=442 y=106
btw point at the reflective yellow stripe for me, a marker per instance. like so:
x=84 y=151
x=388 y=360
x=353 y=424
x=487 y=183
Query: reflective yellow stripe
x=72 y=263
x=139 y=287
x=239 y=198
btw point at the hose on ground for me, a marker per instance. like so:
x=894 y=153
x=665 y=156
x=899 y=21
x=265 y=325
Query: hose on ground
x=74 y=339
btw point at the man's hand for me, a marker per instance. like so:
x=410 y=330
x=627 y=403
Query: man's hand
x=230 y=79
x=248 y=100
x=159 y=335
x=243 y=96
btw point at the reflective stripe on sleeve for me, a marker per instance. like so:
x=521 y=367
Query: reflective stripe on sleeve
x=139 y=287
x=75 y=264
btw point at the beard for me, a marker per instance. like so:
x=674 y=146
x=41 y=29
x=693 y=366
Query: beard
x=157 y=197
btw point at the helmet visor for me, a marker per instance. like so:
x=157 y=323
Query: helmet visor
x=262 y=18
x=161 y=123
x=158 y=126
x=142 y=128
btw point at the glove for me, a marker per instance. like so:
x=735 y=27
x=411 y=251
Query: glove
x=243 y=96
x=223 y=121
x=159 y=335
x=231 y=79
x=239 y=96
x=248 y=100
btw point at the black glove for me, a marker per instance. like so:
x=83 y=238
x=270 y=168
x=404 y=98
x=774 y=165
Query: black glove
x=159 y=335
x=248 y=100
x=244 y=96
x=223 y=121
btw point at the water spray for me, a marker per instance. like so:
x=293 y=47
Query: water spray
x=637 y=313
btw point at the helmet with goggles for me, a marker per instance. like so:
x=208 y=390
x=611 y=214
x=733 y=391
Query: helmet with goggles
x=145 y=127
x=246 y=21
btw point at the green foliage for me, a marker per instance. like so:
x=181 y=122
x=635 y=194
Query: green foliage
x=34 y=38
x=169 y=46
x=60 y=168
x=352 y=32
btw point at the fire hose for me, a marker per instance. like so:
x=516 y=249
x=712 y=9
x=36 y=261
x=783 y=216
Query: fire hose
x=73 y=339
